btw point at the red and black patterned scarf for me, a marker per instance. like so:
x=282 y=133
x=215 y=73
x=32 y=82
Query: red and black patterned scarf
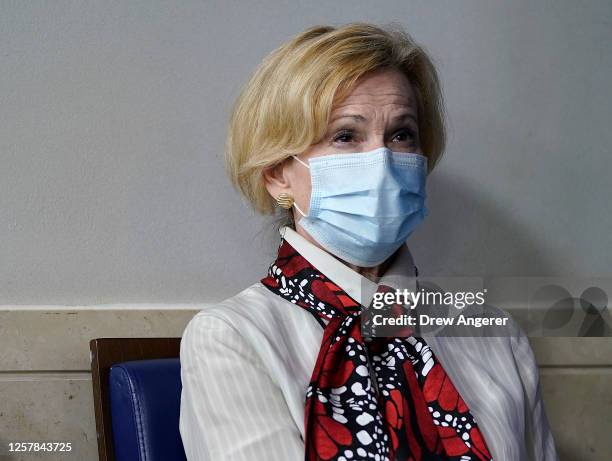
x=387 y=399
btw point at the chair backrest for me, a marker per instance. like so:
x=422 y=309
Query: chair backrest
x=136 y=386
x=145 y=398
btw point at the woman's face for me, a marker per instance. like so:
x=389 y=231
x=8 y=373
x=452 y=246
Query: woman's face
x=380 y=111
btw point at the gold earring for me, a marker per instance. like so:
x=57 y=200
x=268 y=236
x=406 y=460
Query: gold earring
x=284 y=200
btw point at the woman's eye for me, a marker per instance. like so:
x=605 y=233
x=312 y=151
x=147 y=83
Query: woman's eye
x=405 y=135
x=343 y=136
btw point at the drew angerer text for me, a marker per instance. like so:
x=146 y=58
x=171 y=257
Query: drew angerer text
x=427 y=320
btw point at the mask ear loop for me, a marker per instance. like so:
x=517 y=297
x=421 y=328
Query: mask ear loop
x=298 y=208
x=295 y=204
x=305 y=164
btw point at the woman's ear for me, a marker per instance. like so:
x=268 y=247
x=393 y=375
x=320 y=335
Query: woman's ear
x=276 y=179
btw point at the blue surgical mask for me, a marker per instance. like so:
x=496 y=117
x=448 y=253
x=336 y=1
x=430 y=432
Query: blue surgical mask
x=363 y=206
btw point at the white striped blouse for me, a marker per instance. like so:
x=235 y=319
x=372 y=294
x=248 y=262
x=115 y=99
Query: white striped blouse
x=246 y=363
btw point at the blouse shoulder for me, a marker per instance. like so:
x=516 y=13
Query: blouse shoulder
x=220 y=325
x=251 y=314
x=252 y=300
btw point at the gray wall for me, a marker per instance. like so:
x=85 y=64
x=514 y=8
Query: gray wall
x=113 y=117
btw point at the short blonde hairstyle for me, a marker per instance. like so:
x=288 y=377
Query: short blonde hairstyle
x=285 y=106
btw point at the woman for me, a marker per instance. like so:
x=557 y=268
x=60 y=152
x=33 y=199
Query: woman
x=337 y=129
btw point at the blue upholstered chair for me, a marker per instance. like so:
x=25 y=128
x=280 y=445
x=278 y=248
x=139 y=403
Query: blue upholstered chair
x=137 y=395
x=145 y=397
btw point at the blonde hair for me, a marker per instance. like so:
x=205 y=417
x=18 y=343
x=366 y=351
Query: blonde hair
x=285 y=106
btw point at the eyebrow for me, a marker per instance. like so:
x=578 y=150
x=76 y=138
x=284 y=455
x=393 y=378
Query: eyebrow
x=361 y=119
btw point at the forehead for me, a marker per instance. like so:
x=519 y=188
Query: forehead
x=389 y=87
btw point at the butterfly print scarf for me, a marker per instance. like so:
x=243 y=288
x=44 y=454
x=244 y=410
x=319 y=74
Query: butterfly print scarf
x=386 y=399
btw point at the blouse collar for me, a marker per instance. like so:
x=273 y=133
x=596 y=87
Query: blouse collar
x=357 y=286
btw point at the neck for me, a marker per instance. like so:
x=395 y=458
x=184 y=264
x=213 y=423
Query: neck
x=372 y=273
